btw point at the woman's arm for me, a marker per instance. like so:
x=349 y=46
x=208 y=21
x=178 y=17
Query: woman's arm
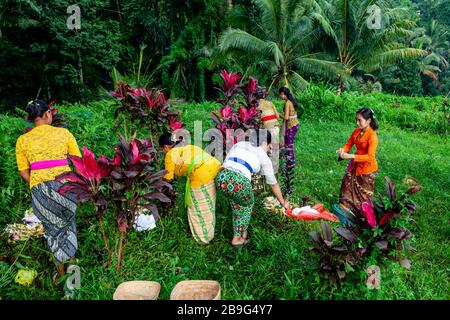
x=370 y=155
x=286 y=111
x=347 y=147
x=25 y=174
x=277 y=193
x=169 y=166
x=23 y=164
x=72 y=145
x=267 y=171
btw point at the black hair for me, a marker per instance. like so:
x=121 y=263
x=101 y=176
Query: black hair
x=36 y=109
x=367 y=114
x=259 y=136
x=290 y=96
x=260 y=92
x=166 y=140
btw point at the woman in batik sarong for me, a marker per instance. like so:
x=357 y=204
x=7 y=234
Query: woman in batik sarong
x=358 y=182
x=234 y=180
x=288 y=133
x=200 y=169
x=41 y=156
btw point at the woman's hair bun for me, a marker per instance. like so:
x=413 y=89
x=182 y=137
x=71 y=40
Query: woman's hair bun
x=36 y=109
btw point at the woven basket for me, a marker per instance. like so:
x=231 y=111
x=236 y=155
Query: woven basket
x=137 y=290
x=196 y=290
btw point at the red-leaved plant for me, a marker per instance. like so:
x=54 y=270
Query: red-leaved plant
x=135 y=184
x=86 y=182
x=144 y=109
x=238 y=110
x=377 y=225
x=130 y=181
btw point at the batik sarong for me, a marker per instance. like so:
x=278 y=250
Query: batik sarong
x=356 y=189
x=201 y=212
x=57 y=214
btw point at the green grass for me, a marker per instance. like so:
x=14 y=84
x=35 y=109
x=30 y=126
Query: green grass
x=276 y=264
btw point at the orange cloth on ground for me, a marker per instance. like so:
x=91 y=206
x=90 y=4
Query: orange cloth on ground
x=306 y=215
x=366 y=147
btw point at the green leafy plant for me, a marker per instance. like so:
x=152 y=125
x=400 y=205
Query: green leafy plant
x=375 y=227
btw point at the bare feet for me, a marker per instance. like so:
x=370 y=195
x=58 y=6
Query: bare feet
x=239 y=241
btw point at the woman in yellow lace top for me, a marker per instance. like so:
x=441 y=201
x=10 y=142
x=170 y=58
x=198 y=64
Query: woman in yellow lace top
x=289 y=131
x=42 y=155
x=200 y=169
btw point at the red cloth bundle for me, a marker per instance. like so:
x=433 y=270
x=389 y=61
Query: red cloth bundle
x=312 y=213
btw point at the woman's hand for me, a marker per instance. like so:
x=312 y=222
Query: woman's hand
x=339 y=151
x=345 y=155
x=286 y=204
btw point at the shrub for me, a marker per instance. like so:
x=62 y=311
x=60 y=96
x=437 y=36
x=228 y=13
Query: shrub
x=372 y=231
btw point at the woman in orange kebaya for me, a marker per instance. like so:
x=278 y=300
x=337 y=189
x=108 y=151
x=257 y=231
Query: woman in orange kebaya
x=358 y=182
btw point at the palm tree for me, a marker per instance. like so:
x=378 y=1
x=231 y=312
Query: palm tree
x=434 y=40
x=361 y=46
x=280 y=41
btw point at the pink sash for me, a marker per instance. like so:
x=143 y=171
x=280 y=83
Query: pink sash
x=45 y=164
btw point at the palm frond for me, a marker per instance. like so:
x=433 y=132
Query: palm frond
x=391 y=57
x=269 y=17
x=273 y=50
x=296 y=83
x=312 y=64
x=434 y=57
x=239 y=39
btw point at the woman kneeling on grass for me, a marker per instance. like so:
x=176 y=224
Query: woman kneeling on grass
x=200 y=169
x=234 y=180
x=41 y=156
x=358 y=182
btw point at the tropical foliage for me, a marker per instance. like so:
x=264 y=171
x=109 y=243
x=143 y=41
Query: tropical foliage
x=281 y=39
x=144 y=108
x=129 y=182
x=238 y=111
x=377 y=227
x=178 y=46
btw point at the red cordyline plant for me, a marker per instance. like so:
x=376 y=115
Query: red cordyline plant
x=377 y=225
x=135 y=184
x=230 y=86
x=129 y=181
x=239 y=105
x=145 y=108
x=87 y=182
